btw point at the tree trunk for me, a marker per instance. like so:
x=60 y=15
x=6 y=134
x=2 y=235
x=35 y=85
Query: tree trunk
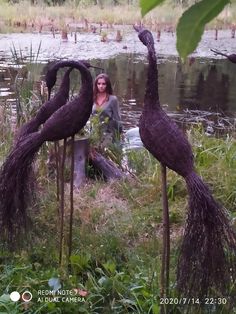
x=108 y=168
x=81 y=150
x=83 y=154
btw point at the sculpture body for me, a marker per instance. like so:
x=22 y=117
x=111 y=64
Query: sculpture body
x=48 y=108
x=207 y=260
x=15 y=189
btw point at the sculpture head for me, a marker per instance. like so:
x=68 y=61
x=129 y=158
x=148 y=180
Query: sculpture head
x=232 y=58
x=50 y=79
x=51 y=75
x=145 y=36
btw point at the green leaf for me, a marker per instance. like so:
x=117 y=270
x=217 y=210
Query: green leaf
x=5 y=298
x=155 y=309
x=81 y=261
x=148 y=5
x=191 y=24
x=110 y=267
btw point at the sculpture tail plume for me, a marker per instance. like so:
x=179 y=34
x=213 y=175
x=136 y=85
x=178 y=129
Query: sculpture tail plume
x=27 y=128
x=208 y=253
x=16 y=188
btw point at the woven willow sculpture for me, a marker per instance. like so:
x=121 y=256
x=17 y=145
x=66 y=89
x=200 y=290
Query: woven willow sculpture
x=15 y=187
x=206 y=264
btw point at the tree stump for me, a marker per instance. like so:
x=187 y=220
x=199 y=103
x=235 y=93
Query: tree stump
x=83 y=153
x=107 y=167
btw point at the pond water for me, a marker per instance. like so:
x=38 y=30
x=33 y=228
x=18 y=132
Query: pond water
x=205 y=84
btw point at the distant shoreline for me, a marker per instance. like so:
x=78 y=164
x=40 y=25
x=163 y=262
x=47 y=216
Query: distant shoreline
x=25 y=17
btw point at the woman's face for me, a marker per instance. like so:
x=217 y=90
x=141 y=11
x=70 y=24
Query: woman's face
x=101 y=85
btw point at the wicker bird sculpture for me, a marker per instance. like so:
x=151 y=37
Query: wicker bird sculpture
x=50 y=106
x=231 y=57
x=206 y=263
x=15 y=189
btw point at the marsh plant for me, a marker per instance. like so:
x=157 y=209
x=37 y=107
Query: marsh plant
x=28 y=86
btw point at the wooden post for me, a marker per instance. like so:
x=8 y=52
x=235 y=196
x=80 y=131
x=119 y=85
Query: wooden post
x=81 y=150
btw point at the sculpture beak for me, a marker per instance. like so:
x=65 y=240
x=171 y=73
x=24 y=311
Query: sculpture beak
x=219 y=53
x=214 y=50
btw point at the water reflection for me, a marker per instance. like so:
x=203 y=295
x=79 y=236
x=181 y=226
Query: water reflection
x=210 y=92
x=207 y=84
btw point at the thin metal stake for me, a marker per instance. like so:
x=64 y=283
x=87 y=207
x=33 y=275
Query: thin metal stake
x=62 y=202
x=56 y=148
x=71 y=197
x=166 y=239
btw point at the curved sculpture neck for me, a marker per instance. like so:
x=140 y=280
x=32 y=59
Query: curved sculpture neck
x=65 y=83
x=151 y=99
x=86 y=78
x=66 y=79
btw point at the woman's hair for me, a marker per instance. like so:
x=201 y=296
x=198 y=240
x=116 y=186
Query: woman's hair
x=109 y=89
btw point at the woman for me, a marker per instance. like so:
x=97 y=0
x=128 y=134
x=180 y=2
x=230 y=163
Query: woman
x=106 y=107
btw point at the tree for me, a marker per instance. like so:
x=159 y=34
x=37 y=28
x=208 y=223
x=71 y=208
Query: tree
x=192 y=23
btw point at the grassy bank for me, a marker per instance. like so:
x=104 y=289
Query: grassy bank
x=117 y=242
x=117 y=236
x=25 y=17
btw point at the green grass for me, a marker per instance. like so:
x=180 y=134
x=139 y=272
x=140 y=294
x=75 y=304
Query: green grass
x=117 y=239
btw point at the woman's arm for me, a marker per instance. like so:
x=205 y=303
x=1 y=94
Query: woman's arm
x=116 y=113
x=115 y=109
